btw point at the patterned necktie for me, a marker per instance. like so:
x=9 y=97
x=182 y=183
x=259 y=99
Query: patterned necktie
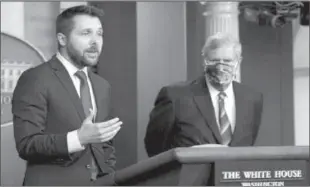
x=225 y=127
x=87 y=104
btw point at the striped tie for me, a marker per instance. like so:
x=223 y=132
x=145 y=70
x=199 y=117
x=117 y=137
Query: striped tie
x=86 y=102
x=225 y=127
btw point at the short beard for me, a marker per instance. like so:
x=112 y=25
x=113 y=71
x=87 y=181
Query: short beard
x=76 y=60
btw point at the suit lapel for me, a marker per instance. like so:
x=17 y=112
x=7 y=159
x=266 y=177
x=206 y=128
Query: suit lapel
x=96 y=91
x=66 y=81
x=204 y=103
x=241 y=111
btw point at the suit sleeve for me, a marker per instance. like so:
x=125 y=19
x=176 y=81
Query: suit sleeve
x=258 y=117
x=29 y=108
x=161 y=120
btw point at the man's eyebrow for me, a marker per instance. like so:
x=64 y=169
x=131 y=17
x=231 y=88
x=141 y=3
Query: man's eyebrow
x=222 y=58
x=86 y=29
x=99 y=28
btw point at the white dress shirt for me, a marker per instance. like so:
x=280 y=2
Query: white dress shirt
x=230 y=105
x=73 y=142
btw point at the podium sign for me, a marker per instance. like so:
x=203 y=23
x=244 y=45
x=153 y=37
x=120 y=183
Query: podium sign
x=262 y=173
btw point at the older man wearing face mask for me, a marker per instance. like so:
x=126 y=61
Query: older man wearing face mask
x=211 y=110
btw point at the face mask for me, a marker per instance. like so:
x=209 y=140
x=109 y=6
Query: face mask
x=220 y=73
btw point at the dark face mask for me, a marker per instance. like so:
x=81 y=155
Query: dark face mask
x=220 y=74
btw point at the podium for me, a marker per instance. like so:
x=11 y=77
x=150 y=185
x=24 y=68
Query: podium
x=232 y=166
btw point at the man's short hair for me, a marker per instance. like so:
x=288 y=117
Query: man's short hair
x=219 y=40
x=64 y=20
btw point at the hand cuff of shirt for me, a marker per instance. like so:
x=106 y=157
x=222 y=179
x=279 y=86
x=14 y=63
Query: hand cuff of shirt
x=74 y=144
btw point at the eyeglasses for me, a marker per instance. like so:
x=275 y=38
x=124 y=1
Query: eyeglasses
x=223 y=61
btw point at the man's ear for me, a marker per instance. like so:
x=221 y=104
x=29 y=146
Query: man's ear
x=62 y=39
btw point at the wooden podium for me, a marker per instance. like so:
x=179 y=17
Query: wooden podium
x=233 y=166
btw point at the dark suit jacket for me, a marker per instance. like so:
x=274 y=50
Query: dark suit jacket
x=45 y=108
x=183 y=116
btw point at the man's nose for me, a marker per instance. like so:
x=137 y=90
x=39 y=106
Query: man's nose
x=224 y=66
x=95 y=39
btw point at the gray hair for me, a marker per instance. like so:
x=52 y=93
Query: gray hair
x=219 y=40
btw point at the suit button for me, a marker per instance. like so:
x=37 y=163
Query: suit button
x=87 y=166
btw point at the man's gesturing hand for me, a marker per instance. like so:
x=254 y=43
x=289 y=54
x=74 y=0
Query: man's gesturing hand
x=98 y=132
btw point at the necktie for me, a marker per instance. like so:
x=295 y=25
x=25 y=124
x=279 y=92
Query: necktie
x=225 y=127
x=87 y=104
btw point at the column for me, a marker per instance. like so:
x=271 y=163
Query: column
x=222 y=17
x=12 y=18
x=301 y=83
x=40 y=26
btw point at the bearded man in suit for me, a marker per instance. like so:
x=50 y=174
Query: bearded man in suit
x=61 y=109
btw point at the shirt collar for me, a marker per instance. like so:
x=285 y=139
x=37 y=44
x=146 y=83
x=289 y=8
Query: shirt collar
x=214 y=92
x=69 y=66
